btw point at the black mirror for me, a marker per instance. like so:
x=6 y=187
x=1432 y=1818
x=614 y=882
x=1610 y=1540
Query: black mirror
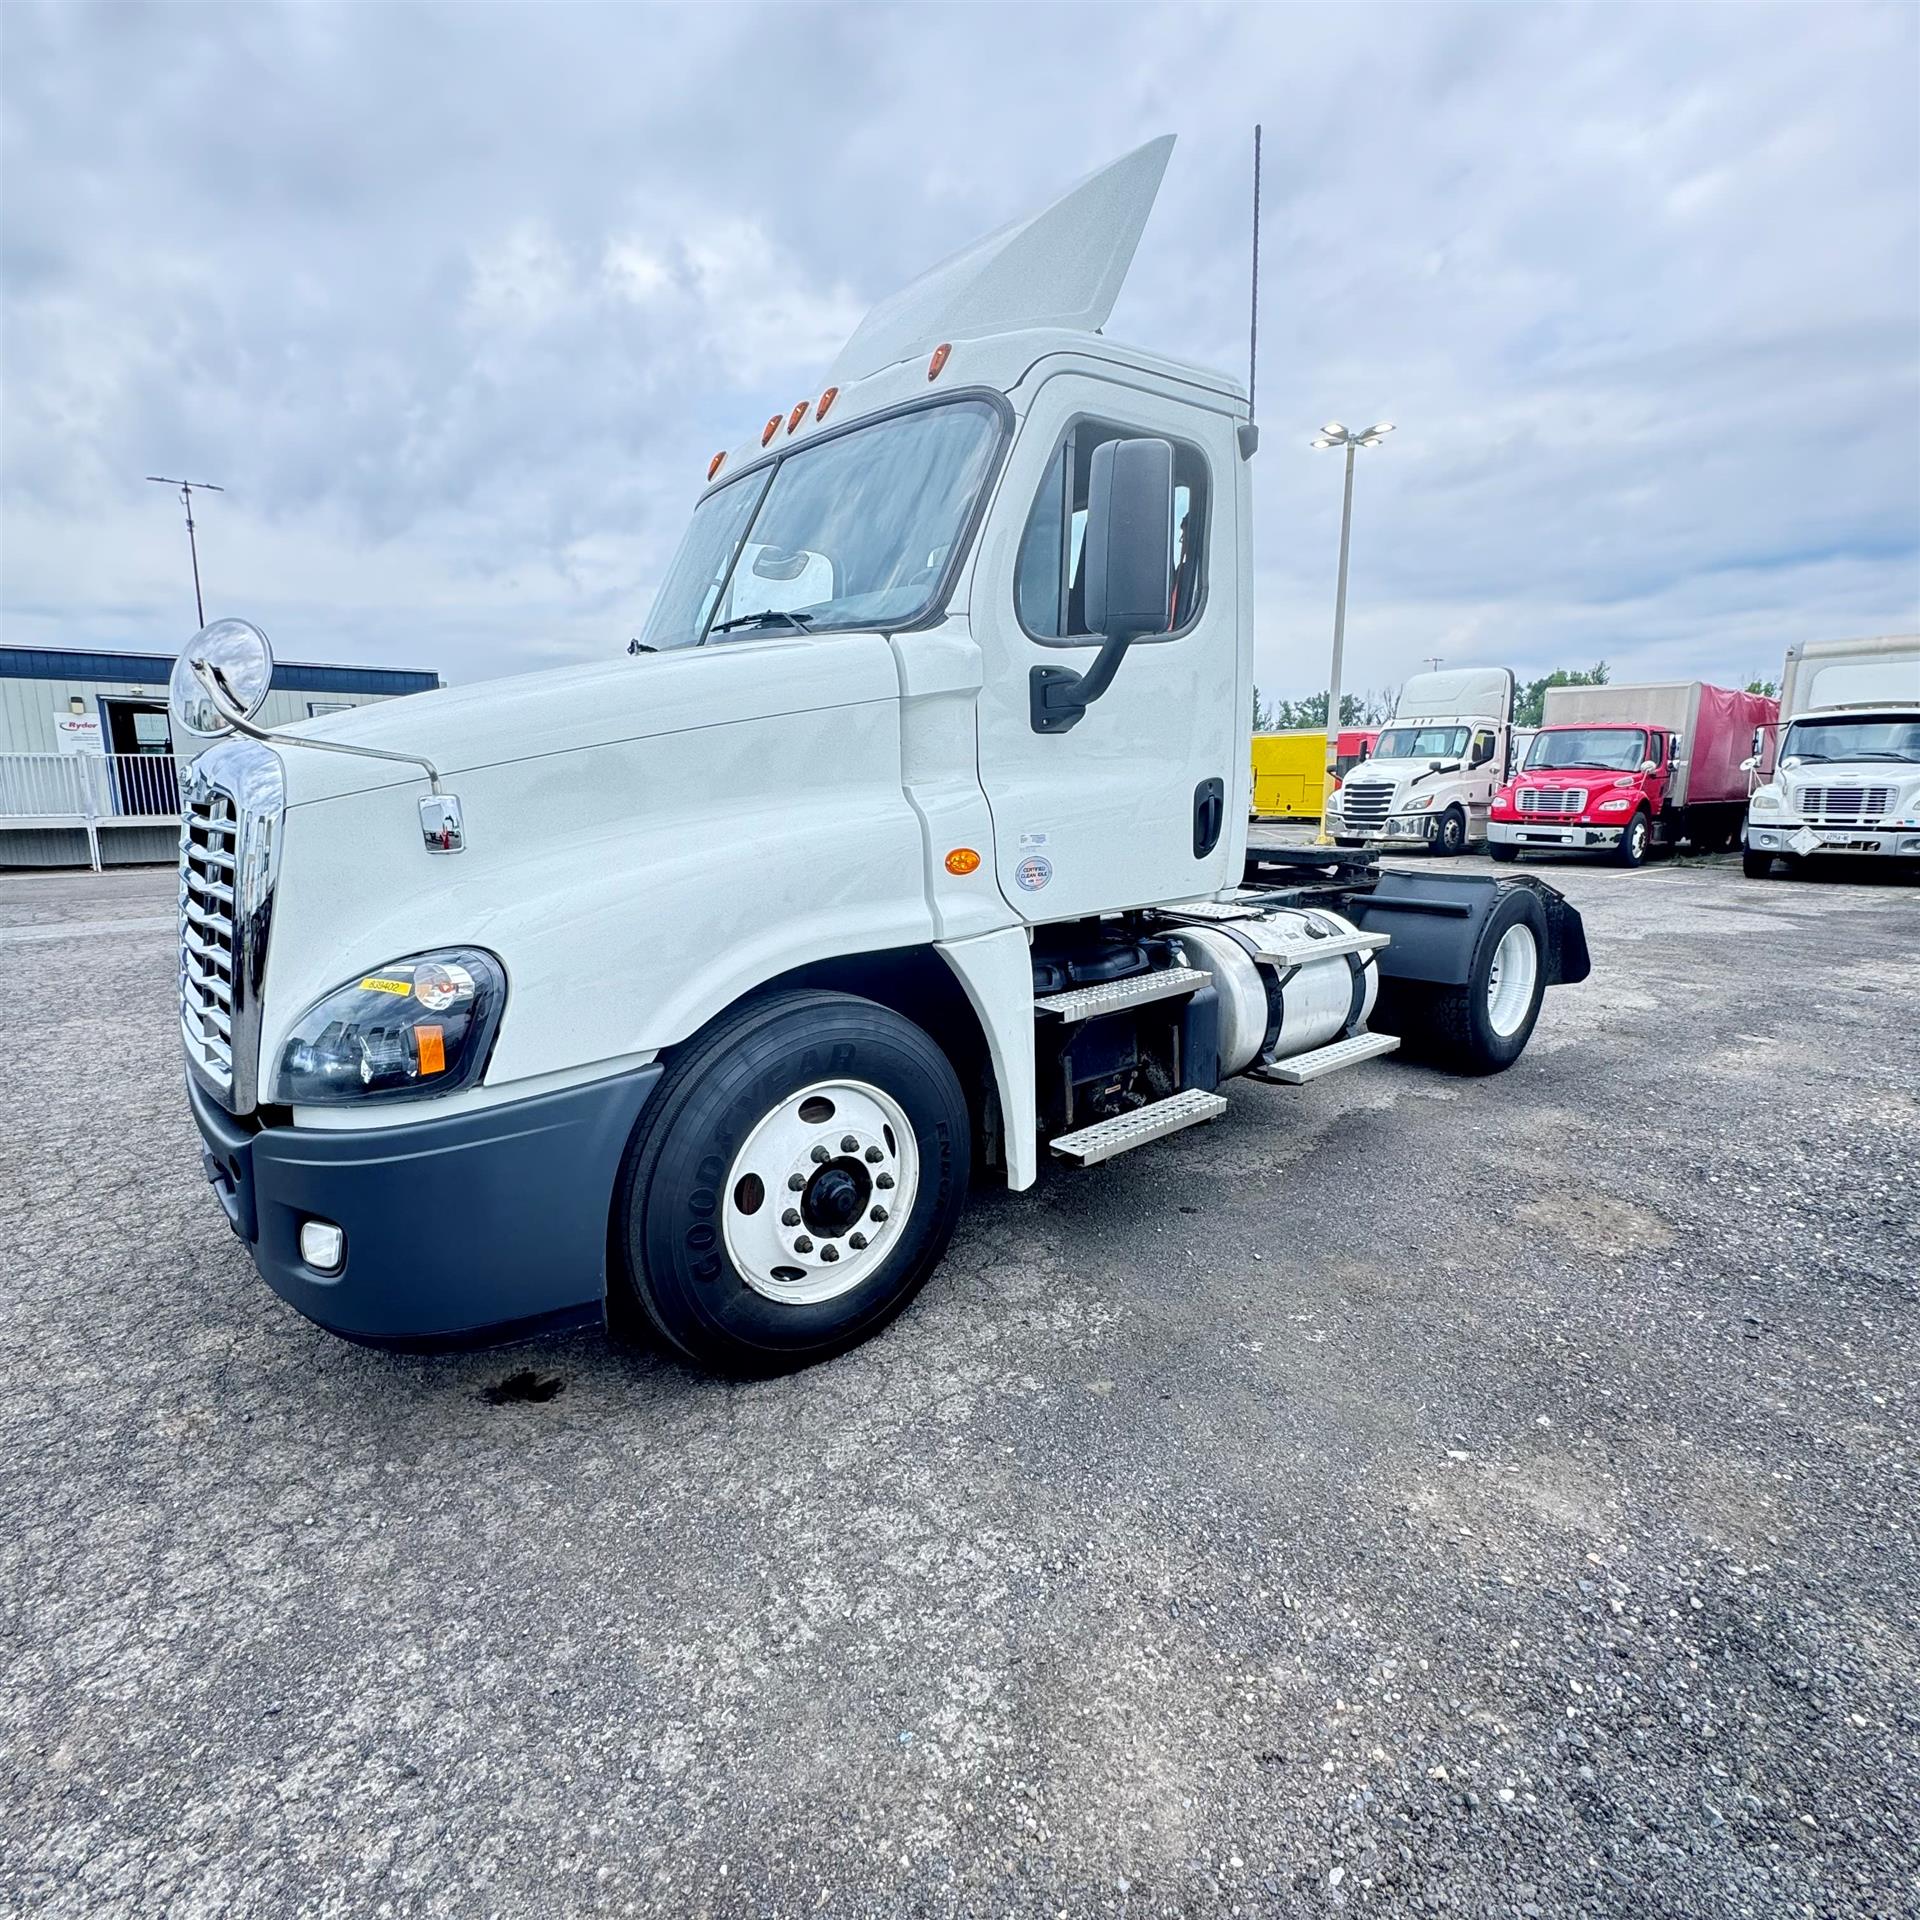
x=1127 y=564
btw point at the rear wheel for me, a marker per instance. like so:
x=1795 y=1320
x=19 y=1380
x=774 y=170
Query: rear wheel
x=1482 y=1025
x=793 y=1182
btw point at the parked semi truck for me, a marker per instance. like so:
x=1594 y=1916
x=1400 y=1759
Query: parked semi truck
x=1839 y=776
x=1435 y=765
x=1619 y=770
x=689 y=990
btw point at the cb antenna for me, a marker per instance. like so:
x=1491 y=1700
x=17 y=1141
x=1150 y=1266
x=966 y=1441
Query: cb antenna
x=1253 y=324
x=187 y=490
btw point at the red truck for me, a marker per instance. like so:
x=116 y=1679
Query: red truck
x=1619 y=770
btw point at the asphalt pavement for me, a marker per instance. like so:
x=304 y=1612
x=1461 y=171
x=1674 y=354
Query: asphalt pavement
x=1405 y=1495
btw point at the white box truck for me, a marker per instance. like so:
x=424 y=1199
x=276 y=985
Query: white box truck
x=687 y=991
x=1839 y=777
x=1435 y=766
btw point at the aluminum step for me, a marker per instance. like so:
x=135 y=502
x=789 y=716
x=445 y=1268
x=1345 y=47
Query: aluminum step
x=1335 y=946
x=1086 y=1146
x=1322 y=1061
x=1112 y=996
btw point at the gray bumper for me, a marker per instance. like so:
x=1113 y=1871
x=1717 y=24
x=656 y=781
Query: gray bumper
x=1575 y=836
x=460 y=1230
x=1889 y=843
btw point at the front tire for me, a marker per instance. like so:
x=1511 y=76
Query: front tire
x=1450 y=836
x=1635 y=838
x=1756 y=866
x=1484 y=1024
x=793 y=1182
x=1502 y=852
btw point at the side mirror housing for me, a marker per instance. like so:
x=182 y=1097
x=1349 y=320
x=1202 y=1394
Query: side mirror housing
x=1127 y=563
x=1749 y=763
x=1649 y=766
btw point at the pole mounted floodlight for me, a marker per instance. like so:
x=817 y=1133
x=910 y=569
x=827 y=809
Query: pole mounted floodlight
x=1336 y=434
x=188 y=488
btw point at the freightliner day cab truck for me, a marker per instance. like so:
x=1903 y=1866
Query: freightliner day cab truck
x=1840 y=779
x=1434 y=767
x=688 y=990
x=1620 y=770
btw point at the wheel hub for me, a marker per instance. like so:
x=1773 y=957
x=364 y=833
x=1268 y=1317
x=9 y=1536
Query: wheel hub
x=836 y=1197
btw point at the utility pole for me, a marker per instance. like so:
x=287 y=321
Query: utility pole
x=1335 y=435
x=187 y=490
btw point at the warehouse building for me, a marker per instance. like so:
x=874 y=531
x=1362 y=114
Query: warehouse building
x=88 y=761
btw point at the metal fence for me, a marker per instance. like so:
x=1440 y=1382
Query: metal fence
x=90 y=791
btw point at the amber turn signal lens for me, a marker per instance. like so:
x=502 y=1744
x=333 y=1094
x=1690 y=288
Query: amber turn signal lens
x=962 y=860
x=826 y=400
x=713 y=465
x=769 y=430
x=938 y=361
x=432 y=1043
x=798 y=414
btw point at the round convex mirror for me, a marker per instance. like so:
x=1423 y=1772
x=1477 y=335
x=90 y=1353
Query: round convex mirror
x=235 y=669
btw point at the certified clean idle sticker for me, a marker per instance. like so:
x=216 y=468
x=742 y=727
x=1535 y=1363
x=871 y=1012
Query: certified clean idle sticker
x=1033 y=872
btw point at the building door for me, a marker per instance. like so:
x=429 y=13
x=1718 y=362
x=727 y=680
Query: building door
x=140 y=741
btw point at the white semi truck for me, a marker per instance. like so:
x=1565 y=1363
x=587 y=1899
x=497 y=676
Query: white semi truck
x=1840 y=776
x=689 y=990
x=1435 y=767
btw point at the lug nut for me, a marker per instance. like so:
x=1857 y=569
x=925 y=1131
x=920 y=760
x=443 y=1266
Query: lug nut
x=858 y=1243
x=829 y=1253
x=877 y=1215
x=848 y=1144
x=803 y=1245
x=791 y=1218
x=796 y=1181
x=874 y=1156
x=885 y=1180
x=821 y=1156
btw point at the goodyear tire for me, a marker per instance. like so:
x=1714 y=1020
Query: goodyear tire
x=793 y=1182
x=1484 y=1024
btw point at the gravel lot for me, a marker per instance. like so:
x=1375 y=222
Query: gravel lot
x=1406 y=1495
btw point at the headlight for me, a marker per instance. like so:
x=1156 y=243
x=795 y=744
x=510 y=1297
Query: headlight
x=1613 y=806
x=1418 y=801
x=403 y=1031
x=1767 y=800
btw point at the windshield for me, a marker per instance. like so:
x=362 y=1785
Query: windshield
x=1422 y=743
x=855 y=531
x=1862 y=739
x=1604 y=749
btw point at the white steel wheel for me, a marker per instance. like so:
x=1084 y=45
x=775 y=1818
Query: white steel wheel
x=1511 y=980
x=819 y=1191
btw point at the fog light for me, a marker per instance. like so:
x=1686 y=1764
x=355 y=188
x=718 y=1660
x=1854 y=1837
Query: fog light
x=323 y=1246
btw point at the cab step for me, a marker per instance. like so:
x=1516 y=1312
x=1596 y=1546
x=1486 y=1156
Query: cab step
x=1322 y=1061
x=1112 y=996
x=1089 y=1145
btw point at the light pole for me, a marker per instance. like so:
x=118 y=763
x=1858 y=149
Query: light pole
x=1333 y=434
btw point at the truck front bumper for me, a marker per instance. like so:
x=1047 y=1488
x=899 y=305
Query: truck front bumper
x=1574 y=834
x=461 y=1229
x=1401 y=830
x=1794 y=837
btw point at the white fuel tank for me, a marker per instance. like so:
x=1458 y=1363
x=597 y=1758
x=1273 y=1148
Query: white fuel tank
x=1270 y=980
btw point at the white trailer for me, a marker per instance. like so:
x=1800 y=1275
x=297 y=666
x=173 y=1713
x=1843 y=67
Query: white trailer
x=689 y=990
x=1435 y=767
x=1840 y=776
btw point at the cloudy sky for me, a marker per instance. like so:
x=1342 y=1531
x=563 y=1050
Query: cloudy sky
x=457 y=302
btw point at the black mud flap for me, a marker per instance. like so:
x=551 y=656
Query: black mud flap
x=1434 y=921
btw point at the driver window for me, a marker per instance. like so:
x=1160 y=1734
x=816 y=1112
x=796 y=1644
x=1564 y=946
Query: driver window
x=1049 y=588
x=1482 y=748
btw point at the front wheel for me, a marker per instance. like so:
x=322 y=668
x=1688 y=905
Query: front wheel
x=1450 y=835
x=1756 y=866
x=793 y=1182
x=1635 y=838
x=1502 y=852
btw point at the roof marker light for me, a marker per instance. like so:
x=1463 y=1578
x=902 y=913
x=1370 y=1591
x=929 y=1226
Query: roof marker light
x=769 y=430
x=713 y=465
x=826 y=400
x=938 y=361
x=798 y=414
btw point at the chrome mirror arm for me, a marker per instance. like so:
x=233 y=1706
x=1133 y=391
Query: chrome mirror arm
x=211 y=679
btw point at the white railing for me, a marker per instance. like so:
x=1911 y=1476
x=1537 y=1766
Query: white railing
x=89 y=791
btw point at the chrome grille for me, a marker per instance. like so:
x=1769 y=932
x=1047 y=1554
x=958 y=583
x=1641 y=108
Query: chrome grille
x=231 y=803
x=1552 y=799
x=1366 y=804
x=1845 y=805
x=209 y=861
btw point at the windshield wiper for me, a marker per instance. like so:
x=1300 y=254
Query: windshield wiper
x=799 y=622
x=1878 y=753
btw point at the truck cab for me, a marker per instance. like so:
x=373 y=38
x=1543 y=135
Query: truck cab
x=687 y=991
x=1431 y=776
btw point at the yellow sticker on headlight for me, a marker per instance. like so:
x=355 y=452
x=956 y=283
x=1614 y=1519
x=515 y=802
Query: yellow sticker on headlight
x=375 y=983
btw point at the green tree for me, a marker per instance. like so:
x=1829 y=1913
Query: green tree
x=1768 y=687
x=1532 y=699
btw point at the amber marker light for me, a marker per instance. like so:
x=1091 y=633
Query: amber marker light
x=798 y=414
x=962 y=860
x=938 y=361
x=826 y=400
x=714 y=465
x=769 y=430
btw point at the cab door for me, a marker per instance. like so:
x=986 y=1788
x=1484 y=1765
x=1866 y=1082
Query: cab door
x=1145 y=799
